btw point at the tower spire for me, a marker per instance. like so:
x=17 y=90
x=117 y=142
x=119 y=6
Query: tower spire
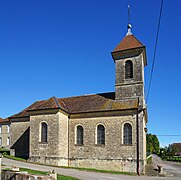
x=129 y=24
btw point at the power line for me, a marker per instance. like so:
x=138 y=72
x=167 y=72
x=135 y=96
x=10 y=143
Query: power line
x=155 y=49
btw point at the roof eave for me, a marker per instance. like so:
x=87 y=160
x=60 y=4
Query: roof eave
x=45 y=109
x=99 y=111
x=117 y=55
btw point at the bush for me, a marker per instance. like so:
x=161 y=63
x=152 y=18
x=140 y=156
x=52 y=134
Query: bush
x=173 y=158
x=5 y=153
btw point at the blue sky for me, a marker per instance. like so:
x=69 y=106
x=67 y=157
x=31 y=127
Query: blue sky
x=62 y=48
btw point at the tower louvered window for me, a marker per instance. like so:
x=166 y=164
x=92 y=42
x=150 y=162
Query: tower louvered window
x=44 y=132
x=127 y=133
x=128 y=69
x=100 y=134
x=80 y=135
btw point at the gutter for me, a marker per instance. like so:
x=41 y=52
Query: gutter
x=137 y=131
x=139 y=109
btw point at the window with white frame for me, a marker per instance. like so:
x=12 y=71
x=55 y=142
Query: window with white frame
x=80 y=135
x=0 y=129
x=127 y=139
x=44 y=132
x=100 y=134
x=8 y=128
x=8 y=141
x=0 y=141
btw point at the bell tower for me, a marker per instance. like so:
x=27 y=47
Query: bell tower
x=130 y=59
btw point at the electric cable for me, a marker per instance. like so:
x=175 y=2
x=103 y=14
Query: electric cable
x=155 y=49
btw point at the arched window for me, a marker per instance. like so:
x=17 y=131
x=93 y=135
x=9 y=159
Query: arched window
x=80 y=135
x=128 y=69
x=127 y=134
x=44 y=132
x=100 y=134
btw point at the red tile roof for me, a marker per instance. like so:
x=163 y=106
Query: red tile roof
x=52 y=103
x=4 y=120
x=80 y=104
x=129 y=42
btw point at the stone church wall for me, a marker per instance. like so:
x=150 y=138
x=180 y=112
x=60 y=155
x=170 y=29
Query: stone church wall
x=133 y=87
x=19 y=136
x=114 y=155
x=55 y=151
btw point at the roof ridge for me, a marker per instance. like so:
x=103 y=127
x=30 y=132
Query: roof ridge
x=77 y=96
x=64 y=105
x=55 y=99
x=137 y=39
x=86 y=95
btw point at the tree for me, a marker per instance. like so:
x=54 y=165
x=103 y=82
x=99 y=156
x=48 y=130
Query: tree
x=153 y=145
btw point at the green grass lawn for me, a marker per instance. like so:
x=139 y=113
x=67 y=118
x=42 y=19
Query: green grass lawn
x=59 y=177
x=100 y=171
x=149 y=160
x=14 y=158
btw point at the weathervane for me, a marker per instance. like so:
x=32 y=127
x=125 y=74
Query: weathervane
x=129 y=24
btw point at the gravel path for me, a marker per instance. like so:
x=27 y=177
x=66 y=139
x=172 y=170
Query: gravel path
x=171 y=168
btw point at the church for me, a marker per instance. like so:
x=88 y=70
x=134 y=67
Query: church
x=102 y=131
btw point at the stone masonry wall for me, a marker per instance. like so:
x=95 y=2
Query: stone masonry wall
x=63 y=139
x=114 y=155
x=129 y=88
x=55 y=151
x=19 y=136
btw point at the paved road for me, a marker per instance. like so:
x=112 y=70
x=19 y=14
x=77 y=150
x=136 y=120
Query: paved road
x=171 y=168
x=84 y=175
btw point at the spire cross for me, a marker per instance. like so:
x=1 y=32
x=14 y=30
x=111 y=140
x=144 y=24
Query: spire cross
x=128 y=14
x=129 y=25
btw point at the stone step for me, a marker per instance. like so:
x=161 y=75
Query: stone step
x=150 y=171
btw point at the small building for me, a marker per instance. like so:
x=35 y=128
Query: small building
x=4 y=133
x=176 y=148
x=102 y=131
